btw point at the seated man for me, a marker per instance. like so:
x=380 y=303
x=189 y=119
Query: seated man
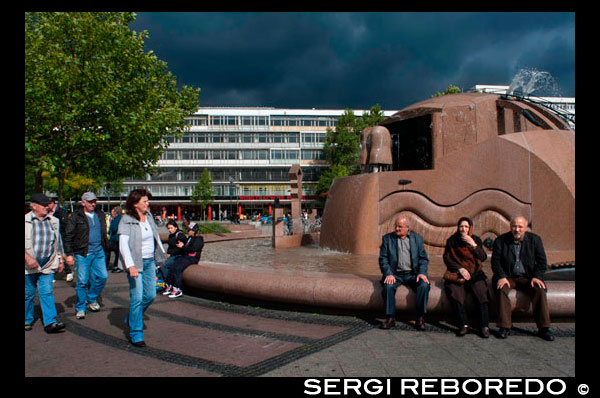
x=403 y=260
x=519 y=262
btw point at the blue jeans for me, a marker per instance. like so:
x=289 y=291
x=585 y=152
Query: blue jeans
x=142 y=291
x=165 y=268
x=91 y=278
x=421 y=289
x=43 y=283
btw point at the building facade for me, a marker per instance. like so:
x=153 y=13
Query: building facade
x=248 y=153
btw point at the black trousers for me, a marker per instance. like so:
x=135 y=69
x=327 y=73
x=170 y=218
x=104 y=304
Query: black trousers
x=175 y=274
x=421 y=289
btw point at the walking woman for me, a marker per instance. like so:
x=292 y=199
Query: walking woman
x=141 y=250
x=463 y=256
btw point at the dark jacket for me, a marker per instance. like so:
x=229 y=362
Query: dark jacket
x=77 y=233
x=532 y=256
x=388 y=254
x=193 y=247
x=457 y=254
x=113 y=229
x=61 y=214
x=172 y=241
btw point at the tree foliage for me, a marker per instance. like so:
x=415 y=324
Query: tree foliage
x=203 y=191
x=450 y=90
x=342 y=146
x=96 y=103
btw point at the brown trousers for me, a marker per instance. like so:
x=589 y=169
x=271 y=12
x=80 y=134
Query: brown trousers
x=538 y=299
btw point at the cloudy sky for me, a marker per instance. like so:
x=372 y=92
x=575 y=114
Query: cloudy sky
x=356 y=60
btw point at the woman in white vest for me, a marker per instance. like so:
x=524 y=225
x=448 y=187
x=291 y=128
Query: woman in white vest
x=141 y=251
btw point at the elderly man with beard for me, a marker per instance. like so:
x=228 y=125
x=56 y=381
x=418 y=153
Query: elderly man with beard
x=519 y=262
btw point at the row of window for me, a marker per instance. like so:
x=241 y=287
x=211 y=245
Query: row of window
x=230 y=120
x=237 y=174
x=274 y=155
x=221 y=191
x=248 y=138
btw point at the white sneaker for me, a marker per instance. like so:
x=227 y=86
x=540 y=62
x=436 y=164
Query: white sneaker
x=80 y=315
x=69 y=277
x=176 y=293
x=95 y=307
x=168 y=290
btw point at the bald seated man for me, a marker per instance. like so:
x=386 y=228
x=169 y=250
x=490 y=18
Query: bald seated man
x=519 y=262
x=403 y=260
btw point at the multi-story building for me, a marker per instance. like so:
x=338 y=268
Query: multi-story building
x=248 y=153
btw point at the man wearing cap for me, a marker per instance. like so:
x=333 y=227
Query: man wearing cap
x=43 y=257
x=85 y=242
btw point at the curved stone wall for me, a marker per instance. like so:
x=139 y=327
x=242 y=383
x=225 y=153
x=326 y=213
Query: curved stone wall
x=482 y=169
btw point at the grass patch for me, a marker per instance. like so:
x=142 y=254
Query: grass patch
x=212 y=228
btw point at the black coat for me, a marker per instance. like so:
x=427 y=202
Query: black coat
x=77 y=233
x=532 y=256
x=61 y=214
x=172 y=241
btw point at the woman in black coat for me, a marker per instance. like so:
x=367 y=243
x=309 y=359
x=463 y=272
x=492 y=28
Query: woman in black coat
x=191 y=251
x=463 y=256
x=175 y=236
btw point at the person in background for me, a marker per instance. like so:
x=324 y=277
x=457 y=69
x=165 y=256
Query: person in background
x=85 y=242
x=173 y=250
x=463 y=257
x=192 y=250
x=61 y=214
x=113 y=238
x=43 y=257
x=141 y=251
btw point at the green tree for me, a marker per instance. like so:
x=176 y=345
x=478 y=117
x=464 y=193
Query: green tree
x=342 y=146
x=203 y=191
x=450 y=90
x=96 y=103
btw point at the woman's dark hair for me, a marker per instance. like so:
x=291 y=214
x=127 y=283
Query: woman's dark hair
x=173 y=223
x=469 y=221
x=134 y=197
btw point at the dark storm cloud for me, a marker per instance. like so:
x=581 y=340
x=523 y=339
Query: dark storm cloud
x=355 y=60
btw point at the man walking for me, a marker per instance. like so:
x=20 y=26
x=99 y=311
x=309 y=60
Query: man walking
x=43 y=257
x=403 y=260
x=85 y=243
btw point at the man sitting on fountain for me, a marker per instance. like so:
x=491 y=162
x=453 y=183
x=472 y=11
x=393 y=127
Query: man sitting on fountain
x=403 y=260
x=519 y=262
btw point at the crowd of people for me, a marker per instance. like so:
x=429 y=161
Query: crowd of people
x=85 y=241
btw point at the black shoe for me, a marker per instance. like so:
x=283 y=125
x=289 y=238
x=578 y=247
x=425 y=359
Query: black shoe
x=116 y=270
x=55 y=327
x=389 y=323
x=420 y=324
x=546 y=334
x=503 y=333
x=139 y=344
x=28 y=327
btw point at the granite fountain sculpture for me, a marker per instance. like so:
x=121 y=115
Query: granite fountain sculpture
x=474 y=155
x=484 y=156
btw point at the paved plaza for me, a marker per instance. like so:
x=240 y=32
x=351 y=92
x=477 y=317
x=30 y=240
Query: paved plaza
x=213 y=337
